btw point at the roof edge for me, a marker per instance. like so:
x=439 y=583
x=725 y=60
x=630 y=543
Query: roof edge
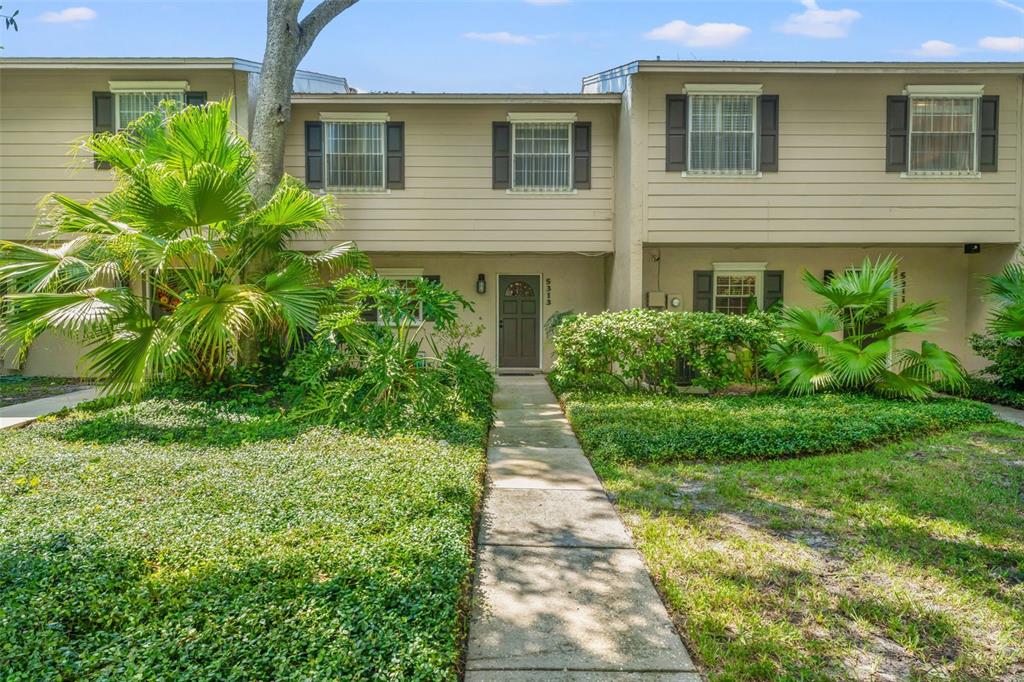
x=457 y=98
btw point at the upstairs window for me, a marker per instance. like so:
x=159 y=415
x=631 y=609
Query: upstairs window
x=943 y=135
x=542 y=156
x=722 y=134
x=133 y=99
x=355 y=154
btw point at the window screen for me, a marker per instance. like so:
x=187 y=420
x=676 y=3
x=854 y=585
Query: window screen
x=354 y=154
x=542 y=156
x=943 y=134
x=734 y=291
x=132 y=105
x=723 y=134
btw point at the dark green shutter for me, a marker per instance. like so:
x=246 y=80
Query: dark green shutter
x=675 y=132
x=988 y=138
x=897 y=133
x=102 y=118
x=703 y=291
x=581 y=142
x=768 y=142
x=501 y=149
x=773 y=288
x=195 y=99
x=314 y=154
x=396 y=155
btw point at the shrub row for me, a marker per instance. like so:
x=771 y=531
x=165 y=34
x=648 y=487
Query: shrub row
x=991 y=392
x=652 y=428
x=641 y=347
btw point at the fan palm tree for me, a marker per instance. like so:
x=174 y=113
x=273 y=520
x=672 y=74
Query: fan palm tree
x=178 y=268
x=1006 y=290
x=849 y=342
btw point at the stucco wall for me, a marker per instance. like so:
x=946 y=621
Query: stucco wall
x=577 y=284
x=939 y=273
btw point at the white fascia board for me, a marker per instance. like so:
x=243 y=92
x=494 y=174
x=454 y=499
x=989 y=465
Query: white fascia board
x=541 y=116
x=344 y=116
x=146 y=86
x=723 y=89
x=399 y=273
x=946 y=90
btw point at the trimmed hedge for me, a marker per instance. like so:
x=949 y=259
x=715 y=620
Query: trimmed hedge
x=654 y=428
x=172 y=540
x=640 y=347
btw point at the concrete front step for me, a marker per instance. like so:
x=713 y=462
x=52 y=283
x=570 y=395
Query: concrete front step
x=553 y=518
x=565 y=609
x=540 y=467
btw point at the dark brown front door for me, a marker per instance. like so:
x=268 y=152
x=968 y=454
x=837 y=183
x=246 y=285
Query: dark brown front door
x=519 y=321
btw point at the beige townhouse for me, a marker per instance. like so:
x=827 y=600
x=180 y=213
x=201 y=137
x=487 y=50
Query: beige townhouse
x=678 y=185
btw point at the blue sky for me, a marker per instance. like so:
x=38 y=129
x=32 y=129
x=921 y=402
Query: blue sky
x=527 y=45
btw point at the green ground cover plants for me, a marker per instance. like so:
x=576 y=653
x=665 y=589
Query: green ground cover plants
x=176 y=539
x=642 y=427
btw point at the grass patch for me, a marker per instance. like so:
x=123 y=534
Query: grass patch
x=176 y=540
x=18 y=389
x=654 y=428
x=901 y=562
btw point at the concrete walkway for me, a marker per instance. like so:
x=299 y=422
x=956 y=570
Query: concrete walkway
x=560 y=592
x=1008 y=414
x=25 y=413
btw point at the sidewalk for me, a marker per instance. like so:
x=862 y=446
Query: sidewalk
x=560 y=592
x=24 y=413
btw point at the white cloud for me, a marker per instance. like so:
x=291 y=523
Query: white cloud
x=1010 y=5
x=937 y=48
x=503 y=37
x=1002 y=43
x=820 y=23
x=699 y=35
x=69 y=15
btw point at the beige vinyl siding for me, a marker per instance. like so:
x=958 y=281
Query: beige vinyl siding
x=448 y=203
x=44 y=111
x=832 y=186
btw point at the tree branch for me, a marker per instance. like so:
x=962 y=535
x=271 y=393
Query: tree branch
x=314 y=22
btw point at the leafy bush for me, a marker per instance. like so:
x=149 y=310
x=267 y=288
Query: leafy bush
x=381 y=377
x=986 y=391
x=1003 y=343
x=171 y=540
x=179 y=269
x=640 y=348
x=860 y=305
x=652 y=428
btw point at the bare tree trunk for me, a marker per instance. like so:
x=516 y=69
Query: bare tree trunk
x=288 y=41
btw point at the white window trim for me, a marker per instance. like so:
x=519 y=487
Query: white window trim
x=738 y=268
x=539 y=118
x=723 y=89
x=327 y=117
x=401 y=275
x=740 y=89
x=147 y=86
x=973 y=92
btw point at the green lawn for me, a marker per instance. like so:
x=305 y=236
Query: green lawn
x=906 y=560
x=180 y=541
x=18 y=389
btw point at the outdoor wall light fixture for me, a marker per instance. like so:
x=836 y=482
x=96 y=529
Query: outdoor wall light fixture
x=481 y=284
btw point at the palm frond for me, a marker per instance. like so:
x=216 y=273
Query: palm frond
x=855 y=367
x=802 y=372
x=892 y=385
x=295 y=298
x=25 y=267
x=932 y=364
x=136 y=352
